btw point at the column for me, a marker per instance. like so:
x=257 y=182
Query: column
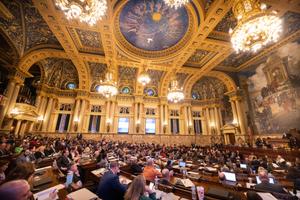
x=112 y=117
x=31 y=124
x=23 y=128
x=81 y=114
x=161 y=120
x=241 y=118
x=166 y=120
x=234 y=112
x=17 y=128
x=42 y=107
x=220 y=116
x=13 y=99
x=75 y=115
x=217 y=122
x=47 y=115
x=208 y=121
x=190 y=118
x=185 y=119
x=38 y=101
x=107 y=120
x=52 y=118
x=9 y=92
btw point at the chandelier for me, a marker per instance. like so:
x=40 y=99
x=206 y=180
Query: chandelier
x=175 y=93
x=89 y=11
x=176 y=3
x=256 y=26
x=108 y=87
x=144 y=77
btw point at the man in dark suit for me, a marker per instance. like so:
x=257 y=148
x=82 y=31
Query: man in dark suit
x=110 y=187
x=64 y=162
x=266 y=186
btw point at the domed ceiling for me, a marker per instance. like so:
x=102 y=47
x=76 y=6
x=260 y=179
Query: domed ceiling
x=152 y=25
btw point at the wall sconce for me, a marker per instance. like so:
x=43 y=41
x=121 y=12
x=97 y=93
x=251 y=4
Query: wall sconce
x=212 y=127
x=76 y=120
x=235 y=122
x=190 y=127
x=165 y=126
x=108 y=122
x=14 y=112
x=138 y=122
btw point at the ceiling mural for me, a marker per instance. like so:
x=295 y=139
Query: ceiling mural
x=181 y=77
x=208 y=88
x=14 y=28
x=60 y=73
x=151 y=25
x=229 y=21
x=27 y=23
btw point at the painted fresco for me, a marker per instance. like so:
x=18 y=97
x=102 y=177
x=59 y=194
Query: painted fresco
x=151 y=25
x=274 y=90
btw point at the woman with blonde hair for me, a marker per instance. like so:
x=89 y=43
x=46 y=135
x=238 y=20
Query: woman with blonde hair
x=137 y=190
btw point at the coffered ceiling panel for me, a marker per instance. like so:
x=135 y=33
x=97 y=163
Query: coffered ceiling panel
x=200 y=58
x=87 y=41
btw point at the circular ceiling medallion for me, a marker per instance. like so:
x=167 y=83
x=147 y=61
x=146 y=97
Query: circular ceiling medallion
x=152 y=25
x=150 y=29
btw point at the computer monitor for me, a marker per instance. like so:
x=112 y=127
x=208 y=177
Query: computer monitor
x=230 y=176
x=182 y=164
x=258 y=181
x=243 y=166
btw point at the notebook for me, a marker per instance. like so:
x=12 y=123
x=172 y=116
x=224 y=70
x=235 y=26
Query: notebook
x=82 y=194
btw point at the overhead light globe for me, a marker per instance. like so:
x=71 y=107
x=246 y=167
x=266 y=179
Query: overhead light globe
x=256 y=27
x=88 y=11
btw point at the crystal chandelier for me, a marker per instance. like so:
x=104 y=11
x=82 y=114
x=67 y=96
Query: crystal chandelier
x=108 y=87
x=89 y=11
x=256 y=26
x=176 y=3
x=175 y=93
x=144 y=77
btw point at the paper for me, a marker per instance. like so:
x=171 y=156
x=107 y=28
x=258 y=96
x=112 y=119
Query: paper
x=187 y=182
x=266 y=196
x=124 y=180
x=99 y=171
x=165 y=196
x=82 y=194
x=43 y=195
x=211 y=169
x=43 y=168
x=275 y=165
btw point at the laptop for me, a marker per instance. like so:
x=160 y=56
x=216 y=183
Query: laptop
x=258 y=181
x=230 y=178
x=243 y=166
x=182 y=164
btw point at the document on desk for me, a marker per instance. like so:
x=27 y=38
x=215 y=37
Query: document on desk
x=166 y=196
x=82 y=194
x=99 y=171
x=43 y=168
x=187 y=182
x=45 y=193
x=124 y=180
x=266 y=196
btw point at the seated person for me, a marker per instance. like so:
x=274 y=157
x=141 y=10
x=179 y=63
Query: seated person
x=221 y=176
x=3 y=167
x=22 y=171
x=166 y=176
x=135 y=168
x=137 y=190
x=102 y=160
x=76 y=182
x=109 y=187
x=169 y=165
x=19 y=190
x=64 y=162
x=266 y=186
x=150 y=173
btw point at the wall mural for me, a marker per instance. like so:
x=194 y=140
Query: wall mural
x=274 y=90
x=151 y=25
x=60 y=73
x=209 y=88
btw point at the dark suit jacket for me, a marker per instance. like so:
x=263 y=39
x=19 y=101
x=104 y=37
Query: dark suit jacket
x=269 y=187
x=63 y=161
x=110 y=187
x=136 y=169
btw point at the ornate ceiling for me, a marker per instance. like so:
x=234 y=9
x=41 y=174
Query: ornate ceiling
x=192 y=41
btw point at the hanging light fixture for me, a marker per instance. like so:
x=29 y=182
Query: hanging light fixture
x=89 y=11
x=256 y=26
x=108 y=87
x=175 y=93
x=176 y=3
x=144 y=77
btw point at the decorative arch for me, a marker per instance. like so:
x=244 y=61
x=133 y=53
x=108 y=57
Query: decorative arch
x=229 y=83
x=35 y=56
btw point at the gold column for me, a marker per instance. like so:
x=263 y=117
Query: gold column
x=13 y=100
x=234 y=112
x=81 y=114
x=217 y=120
x=75 y=115
x=207 y=114
x=17 y=127
x=241 y=118
x=166 y=120
x=47 y=115
x=10 y=89
x=53 y=117
x=161 y=114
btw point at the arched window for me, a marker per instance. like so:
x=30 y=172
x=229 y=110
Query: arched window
x=71 y=85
